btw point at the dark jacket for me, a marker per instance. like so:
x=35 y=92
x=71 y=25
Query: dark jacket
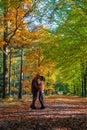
x=34 y=85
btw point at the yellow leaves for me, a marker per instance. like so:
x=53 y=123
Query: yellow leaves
x=42 y=70
x=2 y=43
x=7 y=18
x=14 y=89
x=14 y=60
x=25 y=83
x=68 y=0
x=50 y=89
x=15 y=3
x=14 y=78
x=20 y=13
x=26 y=86
x=35 y=36
x=27 y=1
x=27 y=90
x=25 y=37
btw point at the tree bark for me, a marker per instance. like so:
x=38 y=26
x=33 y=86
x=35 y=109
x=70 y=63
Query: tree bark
x=10 y=71
x=21 y=75
x=82 y=88
x=84 y=85
x=5 y=71
x=5 y=55
x=74 y=89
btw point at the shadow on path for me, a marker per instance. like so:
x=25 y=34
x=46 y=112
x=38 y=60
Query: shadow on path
x=61 y=113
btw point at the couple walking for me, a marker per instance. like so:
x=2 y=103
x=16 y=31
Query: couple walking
x=37 y=87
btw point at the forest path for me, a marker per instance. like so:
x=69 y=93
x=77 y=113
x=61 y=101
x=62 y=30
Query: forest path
x=61 y=113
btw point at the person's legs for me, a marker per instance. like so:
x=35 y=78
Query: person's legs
x=41 y=100
x=34 y=99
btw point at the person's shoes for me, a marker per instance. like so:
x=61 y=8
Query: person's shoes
x=42 y=107
x=32 y=107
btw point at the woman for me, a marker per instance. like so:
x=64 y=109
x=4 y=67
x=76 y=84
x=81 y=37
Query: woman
x=41 y=91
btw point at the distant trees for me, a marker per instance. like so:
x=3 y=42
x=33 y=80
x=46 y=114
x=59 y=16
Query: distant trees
x=60 y=49
x=72 y=47
x=68 y=43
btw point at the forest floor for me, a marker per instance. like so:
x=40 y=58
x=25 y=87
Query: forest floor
x=61 y=113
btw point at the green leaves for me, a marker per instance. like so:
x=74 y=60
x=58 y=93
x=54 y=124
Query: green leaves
x=69 y=47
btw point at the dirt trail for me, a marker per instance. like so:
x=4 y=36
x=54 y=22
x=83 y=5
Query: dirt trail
x=61 y=113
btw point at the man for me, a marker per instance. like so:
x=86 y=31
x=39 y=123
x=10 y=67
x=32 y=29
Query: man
x=34 y=90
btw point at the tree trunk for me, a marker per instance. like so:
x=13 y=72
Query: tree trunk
x=82 y=88
x=5 y=55
x=10 y=71
x=21 y=75
x=84 y=85
x=5 y=71
x=74 y=89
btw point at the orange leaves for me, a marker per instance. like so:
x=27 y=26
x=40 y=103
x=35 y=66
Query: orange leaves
x=27 y=38
x=6 y=18
x=15 y=26
x=2 y=43
x=20 y=14
x=12 y=18
x=26 y=83
x=27 y=4
x=14 y=89
x=26 y=86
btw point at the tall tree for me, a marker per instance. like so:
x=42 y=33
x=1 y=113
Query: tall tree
x=12 y=14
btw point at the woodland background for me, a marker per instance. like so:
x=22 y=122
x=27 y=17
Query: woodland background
x=49 y=37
